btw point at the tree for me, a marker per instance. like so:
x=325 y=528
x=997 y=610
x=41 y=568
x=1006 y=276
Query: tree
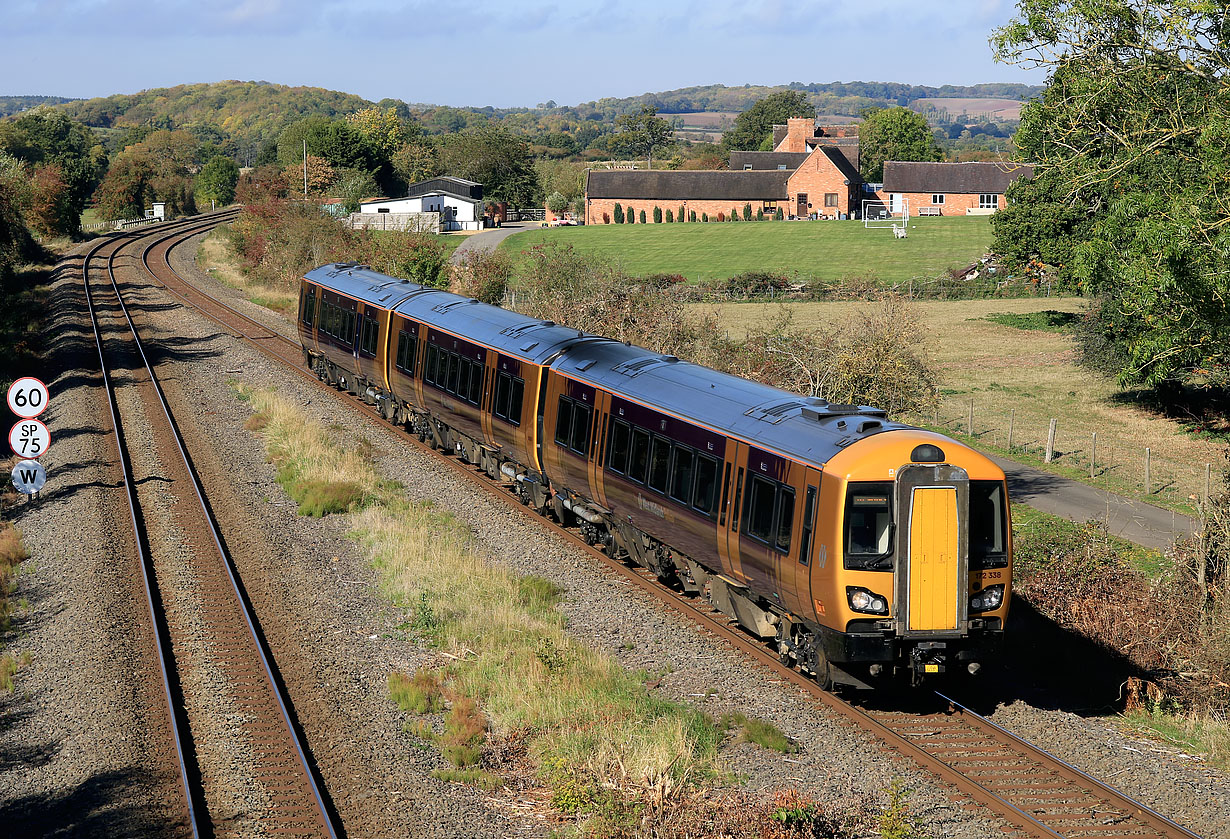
x=619 y=213
x=893 y=134
x=747 y=212
x=51 y=207
x=641 y=134
x=657 y=215
x=126 y=189
x=384 y=130
x=495 y=158
x=1130 y=142
x=46 y=137
x=557 y=203
x=755 y=125
x=415 y=162
x=217 y=180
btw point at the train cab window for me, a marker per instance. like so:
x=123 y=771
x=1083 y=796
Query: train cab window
x=704 y=495
x=869 y=526
x=785 y=518
x=758 y=508
x=638 y=459
x=681 y=475
x=809 y=522
x=618 y=441
x=563 y=421
x=309 y=305
x=659 y=464
x=986 y=525
x=580 y=427
x=371 y=329
x=406 y=346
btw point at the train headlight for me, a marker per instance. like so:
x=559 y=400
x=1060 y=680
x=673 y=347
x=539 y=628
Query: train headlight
x=989 y=598
x=862 y=600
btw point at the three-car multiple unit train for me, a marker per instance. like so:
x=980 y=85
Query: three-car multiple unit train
x=861 y=546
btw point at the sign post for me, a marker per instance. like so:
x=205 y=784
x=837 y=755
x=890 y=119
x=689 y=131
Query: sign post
x=29 y=438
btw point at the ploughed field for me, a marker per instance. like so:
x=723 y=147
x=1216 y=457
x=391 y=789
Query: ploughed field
x=826 y=250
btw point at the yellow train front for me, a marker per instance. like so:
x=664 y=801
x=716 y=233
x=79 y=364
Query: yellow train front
x=914 y=568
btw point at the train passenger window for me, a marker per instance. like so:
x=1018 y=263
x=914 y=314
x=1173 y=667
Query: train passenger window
x=580 y=427
x=309 y=305
x=503 y=390
x=986 y=524
x=705 y=492
x=454 y=372
x=785 y=518
x=406 y=345
x=518 y=392
x=809 y=516
x=429 y=368
x=371 y=328
x=681 y=475
x=475 y=395
x=617 y=447
x=659 y=464
x=348 y=325
x=563 y=421
x=758 y=508
x=869 y=525
x=638 y=461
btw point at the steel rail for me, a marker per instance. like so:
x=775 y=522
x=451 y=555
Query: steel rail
x=162 y=644
x=228 y=563
x=707 y=618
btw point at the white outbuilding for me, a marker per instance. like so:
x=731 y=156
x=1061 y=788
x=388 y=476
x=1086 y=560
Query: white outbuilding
x=458 y=202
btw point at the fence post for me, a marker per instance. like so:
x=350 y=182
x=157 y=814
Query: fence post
x=1093 y=456
x=970 y=427
x=1050 y=442
x=1208 y=482
x=1011 y=423
x=1148 y=459
x=935 y=420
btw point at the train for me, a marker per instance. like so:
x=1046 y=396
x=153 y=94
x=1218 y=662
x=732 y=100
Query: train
x=866 y=551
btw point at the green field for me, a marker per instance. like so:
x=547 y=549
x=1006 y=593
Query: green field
x=826 y=250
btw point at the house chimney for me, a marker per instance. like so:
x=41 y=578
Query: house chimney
x=799 y=131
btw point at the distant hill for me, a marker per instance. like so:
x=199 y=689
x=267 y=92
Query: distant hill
x=242 y=110
x=10 y=105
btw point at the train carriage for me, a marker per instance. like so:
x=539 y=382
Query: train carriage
x=861 y=546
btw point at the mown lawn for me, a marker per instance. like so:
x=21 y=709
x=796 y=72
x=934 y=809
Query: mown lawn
x=823 y=249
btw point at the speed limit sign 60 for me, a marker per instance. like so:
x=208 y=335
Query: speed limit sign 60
x=28 y=397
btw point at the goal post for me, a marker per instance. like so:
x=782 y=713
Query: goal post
x=885 y=215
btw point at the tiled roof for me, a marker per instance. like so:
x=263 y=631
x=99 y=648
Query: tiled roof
x=761 y=160
x=675 y=185
x=955 y=178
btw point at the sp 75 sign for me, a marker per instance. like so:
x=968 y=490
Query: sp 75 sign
x=29 y=438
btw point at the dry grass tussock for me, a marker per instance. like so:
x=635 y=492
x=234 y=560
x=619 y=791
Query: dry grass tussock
x=277 y=293
x=12 y=554
x=612 y=752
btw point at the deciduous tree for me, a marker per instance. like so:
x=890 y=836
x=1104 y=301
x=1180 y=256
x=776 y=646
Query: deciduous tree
x=893 y=134
x=217 y=180
x=641 y=133
x=1131 y=141
x=754 y=127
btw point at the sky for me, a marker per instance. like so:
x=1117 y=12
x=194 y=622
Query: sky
x=517 y=53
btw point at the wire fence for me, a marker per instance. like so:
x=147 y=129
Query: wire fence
x=1097 y=457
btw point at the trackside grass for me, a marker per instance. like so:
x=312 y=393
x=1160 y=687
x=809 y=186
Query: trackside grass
x=826 y=250
x=589 y=722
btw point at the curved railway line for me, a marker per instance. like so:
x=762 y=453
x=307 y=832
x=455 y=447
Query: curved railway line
x=1036 y=793
x=241 y=759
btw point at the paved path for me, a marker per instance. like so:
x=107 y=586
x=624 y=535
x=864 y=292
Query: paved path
x=486 y=240
x=1135 y=521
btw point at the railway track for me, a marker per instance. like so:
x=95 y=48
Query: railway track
x=1036 y=793
x=242 y=765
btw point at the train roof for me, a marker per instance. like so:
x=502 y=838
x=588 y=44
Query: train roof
x=364 y=284
x=808 y=428
x=506 y=331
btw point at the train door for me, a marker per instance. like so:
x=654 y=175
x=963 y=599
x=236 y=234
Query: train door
x=729 y=516
x=932 y=573
x=795 y=567
x=597 y=457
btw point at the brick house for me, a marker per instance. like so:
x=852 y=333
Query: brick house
x=808 y=174
x=949 y=189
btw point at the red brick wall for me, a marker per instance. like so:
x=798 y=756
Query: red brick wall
x=594 y=208
x=955 y=203
x=816 y=177
x=798 y=131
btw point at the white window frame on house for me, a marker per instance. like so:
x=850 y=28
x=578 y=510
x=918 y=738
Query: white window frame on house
x=747 y=167
x=988 y=201
x=832 y=199
x=937 y=198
